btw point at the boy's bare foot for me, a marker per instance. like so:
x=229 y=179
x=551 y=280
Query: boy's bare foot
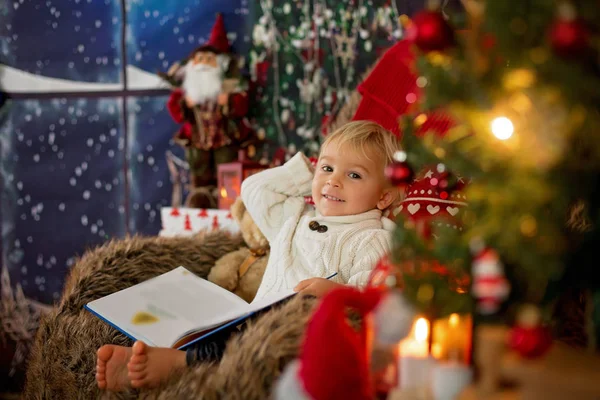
x=149 y=366
x=111 y=367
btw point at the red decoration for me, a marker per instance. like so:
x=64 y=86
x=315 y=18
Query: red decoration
x=399 y=173
x=383 y=269
x=229 y=216
x=262 y=72
x=230 y=177
x=215 y=223
x=175 y=212
x=430 y=31
x=324 y=125
x=203 y=213
x=569 y=38
x=530 y=342
x=218 y=37
x=331 y=344
x=490 y=286
x=187 y=225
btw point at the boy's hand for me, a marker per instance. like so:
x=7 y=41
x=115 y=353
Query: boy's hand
x=318 y=287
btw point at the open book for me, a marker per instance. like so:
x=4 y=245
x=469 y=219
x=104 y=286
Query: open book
x=176 y=309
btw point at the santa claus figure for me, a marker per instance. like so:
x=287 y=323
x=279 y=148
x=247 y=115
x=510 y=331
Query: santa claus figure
x=490 y=286
x=211 y=104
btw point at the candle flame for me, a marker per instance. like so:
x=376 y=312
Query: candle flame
x=421 y=330
x=453 y=320
x=223 y=193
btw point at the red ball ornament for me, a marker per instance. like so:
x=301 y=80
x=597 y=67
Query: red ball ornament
x=399 y=173
x=431 y=32
x=530 y=342
x=569 y=38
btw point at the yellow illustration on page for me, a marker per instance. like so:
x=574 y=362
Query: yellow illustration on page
x=144 y=318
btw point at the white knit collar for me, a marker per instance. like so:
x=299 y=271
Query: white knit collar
x=374 y=214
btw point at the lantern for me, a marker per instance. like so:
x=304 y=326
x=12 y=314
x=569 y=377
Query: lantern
x=230 y=177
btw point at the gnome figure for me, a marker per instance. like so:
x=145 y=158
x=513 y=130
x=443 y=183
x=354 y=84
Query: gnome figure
x=334 y=360
x=211 y=104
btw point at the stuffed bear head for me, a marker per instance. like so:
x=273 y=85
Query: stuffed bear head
x=250 y=232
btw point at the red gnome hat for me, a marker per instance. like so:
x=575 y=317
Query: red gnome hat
x=334 y=359
x=390 y=91
x=218 y=42
x=334 y=362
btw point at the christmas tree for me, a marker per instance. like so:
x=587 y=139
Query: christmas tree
x=521 y=81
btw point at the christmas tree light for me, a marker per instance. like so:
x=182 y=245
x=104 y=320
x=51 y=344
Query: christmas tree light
x=502 y=128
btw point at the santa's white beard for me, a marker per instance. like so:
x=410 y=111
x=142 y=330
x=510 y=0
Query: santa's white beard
x=202 y=83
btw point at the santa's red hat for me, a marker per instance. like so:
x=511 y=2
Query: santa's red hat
x=334 y=360
x=390 y=91
x=218 y=42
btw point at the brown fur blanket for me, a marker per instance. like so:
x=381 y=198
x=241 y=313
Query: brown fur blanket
x=63 y=358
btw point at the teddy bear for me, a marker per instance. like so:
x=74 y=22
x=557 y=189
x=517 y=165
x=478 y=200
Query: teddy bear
x=241 y=271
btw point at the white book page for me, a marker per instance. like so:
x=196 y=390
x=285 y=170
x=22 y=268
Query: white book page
x=270 y=299
x=161 y=309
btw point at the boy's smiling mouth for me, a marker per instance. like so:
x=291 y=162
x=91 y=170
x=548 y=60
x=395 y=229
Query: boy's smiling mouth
x=332 y=198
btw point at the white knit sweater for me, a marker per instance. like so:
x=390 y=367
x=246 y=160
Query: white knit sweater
x=351 y=246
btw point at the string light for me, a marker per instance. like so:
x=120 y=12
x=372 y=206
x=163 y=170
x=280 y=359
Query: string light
x=502 y=128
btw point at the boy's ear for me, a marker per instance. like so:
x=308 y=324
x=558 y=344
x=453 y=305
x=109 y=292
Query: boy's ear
x=387 y=198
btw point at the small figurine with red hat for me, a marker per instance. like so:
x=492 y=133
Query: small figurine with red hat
x=335 y=359
x=490 y=286
x=210 y=102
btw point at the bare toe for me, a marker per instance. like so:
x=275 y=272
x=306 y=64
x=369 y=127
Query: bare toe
x=140 y=348
x=111 y=367
x=138 y=359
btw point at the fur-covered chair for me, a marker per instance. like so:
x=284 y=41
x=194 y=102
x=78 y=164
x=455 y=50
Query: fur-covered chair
x=63 y=358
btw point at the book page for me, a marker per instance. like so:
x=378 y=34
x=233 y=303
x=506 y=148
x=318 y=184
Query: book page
x=270 y=299
x=162 y=309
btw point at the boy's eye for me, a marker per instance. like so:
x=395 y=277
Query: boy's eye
x=327 y=168
x=354 y=175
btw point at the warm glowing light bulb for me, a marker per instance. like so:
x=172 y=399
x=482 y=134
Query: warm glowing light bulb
x=421 y=330
x=502 y=128
x=223 y=193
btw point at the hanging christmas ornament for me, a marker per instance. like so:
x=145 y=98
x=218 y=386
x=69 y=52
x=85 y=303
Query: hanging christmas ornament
x=383 y=276
x=568 y=35
x=490 y=286
x=344 y=48
x=430 y=31
x=262 y=72
x=399 y=172
x=529 y=337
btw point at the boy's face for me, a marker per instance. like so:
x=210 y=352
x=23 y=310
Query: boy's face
x=346 y=182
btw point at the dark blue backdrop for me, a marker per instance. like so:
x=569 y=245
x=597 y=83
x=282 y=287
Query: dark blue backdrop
x=75 y=170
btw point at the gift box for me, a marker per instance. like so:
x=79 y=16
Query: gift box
x=189 y=221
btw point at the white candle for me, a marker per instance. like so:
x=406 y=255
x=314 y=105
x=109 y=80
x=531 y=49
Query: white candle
x=415 y=372
x=449 y=379
x=414 y=362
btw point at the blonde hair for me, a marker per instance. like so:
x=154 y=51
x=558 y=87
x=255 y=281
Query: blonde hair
x=367 y=137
